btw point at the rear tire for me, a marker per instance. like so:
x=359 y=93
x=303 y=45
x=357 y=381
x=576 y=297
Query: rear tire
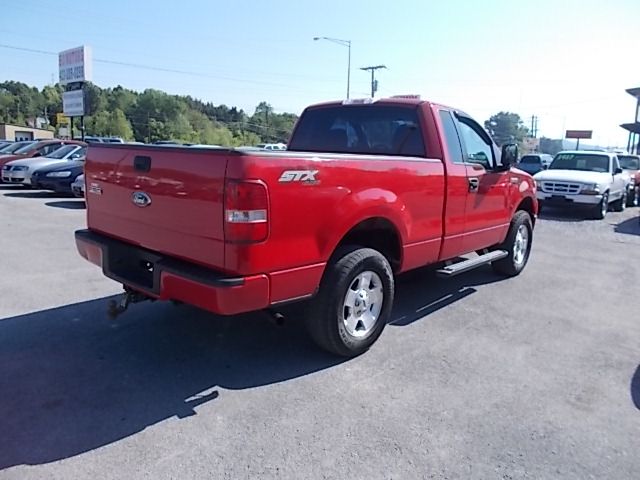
x=517 y=244
x=633 y=200
x=353 y=303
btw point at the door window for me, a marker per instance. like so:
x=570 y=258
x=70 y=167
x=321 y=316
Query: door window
x=477 y=148
x=451 y=137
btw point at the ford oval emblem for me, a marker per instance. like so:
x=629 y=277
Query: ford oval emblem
x=141 y=199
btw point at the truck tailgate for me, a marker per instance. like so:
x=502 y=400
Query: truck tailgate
x=166 y=199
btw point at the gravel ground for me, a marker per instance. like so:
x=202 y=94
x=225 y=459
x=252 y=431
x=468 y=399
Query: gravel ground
x=477 y=377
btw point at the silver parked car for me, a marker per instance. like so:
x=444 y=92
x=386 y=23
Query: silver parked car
x=77 y=187
x=19 y=171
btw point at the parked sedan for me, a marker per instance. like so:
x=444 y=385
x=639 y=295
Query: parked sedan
x=19 y=171
x=58 y=177
x=11 y=148
x=40 y=148
x=77 y=187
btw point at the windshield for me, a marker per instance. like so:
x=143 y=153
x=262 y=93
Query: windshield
x=14 y=147
x=629 y=162
x=580 y=161
x=26 y=148
x=530 y=159
x=366 y=129
x=62 y=151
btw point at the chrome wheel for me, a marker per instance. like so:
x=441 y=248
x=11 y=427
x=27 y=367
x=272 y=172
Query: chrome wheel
x=604 y=207
x=521 y=245
x=362 y=304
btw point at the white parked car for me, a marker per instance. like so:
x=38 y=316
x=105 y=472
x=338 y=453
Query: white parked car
x=19 y=171
x=272 y=146
x=584 y=178
x=77 y=187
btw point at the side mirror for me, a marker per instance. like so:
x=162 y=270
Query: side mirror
x=545 y=166
x=37 y=154
x=509 y=154
x=617 y=171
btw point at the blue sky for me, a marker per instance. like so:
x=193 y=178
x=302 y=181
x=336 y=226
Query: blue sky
x=566 y=61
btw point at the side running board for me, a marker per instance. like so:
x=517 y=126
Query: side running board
x=475 y=262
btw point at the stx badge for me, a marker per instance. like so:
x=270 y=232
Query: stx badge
x=307 y=176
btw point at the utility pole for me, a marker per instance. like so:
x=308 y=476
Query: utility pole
x=534 y=126
x=374 y=82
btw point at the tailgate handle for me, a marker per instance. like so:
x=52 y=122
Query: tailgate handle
x=141 y=163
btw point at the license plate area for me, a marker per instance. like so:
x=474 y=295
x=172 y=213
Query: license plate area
x=133 y=266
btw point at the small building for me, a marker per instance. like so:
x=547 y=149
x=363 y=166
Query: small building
x=20 y=133
x=634 y=128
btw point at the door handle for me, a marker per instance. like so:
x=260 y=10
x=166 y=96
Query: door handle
x=474 y=183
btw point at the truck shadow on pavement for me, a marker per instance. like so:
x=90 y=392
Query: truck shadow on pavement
x=37 y=194
x=560 y=215
x=631 y=226
x=68 y=204
x=421 y=292
x=73 y=381
x=635 y=388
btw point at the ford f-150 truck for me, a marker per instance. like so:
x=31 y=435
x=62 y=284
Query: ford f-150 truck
x=365 y=191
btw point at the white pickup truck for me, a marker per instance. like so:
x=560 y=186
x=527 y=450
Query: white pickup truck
x=583 y=178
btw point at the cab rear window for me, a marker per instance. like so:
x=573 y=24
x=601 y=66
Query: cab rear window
x=365 y=129
x=532 y=159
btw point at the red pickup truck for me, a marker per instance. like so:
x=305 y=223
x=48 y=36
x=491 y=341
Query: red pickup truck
x=365 y=191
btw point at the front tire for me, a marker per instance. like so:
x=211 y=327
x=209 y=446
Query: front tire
x=620 y=205
x=602 y=208
x=517 y=244
x=354 y=302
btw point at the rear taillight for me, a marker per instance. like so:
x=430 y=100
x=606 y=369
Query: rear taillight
x=246 y=212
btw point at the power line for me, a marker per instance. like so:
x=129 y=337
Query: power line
x=162 y=69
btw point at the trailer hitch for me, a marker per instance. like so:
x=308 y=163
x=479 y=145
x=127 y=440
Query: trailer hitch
x=116 y=307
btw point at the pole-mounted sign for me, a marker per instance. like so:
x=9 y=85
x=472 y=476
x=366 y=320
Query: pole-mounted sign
x=74 y=65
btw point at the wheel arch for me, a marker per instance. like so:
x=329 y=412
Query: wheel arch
x=378 y=233
x=529 y=205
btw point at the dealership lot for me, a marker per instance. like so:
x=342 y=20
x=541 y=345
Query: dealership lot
x=477 y=377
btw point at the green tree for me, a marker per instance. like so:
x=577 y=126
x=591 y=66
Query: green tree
x=506 y=127
x=120 y=126
x=550 y=146
x=114 y=124
x=94 y=98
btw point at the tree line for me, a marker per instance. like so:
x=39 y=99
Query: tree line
x=155 y=115
x=148 y=116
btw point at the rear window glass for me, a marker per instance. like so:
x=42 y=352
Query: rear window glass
x=580 y=161
x=384 y=130
x=15 y=147
x=530 y=159
x=629 y=162
x=27 y=148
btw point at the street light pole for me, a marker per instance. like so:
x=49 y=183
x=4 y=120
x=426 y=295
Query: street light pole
x=344 y=43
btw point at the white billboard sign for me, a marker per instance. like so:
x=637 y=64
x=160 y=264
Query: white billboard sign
x=73 y=103
x=74 y=65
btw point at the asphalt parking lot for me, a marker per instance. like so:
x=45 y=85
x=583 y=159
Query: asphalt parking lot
x=477 y=377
